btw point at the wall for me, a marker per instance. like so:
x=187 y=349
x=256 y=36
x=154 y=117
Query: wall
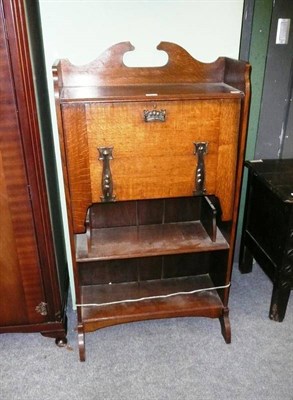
x=256 y=55
x=80 y=30
x=275 y=127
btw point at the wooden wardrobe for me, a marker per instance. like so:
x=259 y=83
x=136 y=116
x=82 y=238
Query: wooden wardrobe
x=33 y=270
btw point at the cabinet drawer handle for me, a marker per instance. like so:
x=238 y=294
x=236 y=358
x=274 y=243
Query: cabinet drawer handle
x=105 y=155
x=154 y=115
x=200 y=149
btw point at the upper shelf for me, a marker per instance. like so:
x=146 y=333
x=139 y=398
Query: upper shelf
x=108 y=77
x=149 y=92
x=146 y=240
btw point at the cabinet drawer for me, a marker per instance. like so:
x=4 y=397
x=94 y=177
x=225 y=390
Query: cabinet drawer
x=150 y=159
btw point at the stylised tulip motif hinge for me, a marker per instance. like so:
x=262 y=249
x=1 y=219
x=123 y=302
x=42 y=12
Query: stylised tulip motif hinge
x=105 y=155
x=200 y=150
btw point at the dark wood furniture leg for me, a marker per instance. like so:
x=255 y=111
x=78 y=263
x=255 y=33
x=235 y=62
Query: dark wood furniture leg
x=245 y=259
x=225 y=326
x=280 y=297
x=59 y=333
x=81 y=342
x=60 y=337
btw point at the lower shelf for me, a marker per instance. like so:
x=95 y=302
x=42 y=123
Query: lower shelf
x=206 y=303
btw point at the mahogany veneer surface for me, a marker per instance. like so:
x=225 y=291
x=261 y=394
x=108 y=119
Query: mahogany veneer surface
x=32 y=292
x=20 y=284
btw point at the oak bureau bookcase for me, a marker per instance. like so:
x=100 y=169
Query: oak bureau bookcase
x=152 y=162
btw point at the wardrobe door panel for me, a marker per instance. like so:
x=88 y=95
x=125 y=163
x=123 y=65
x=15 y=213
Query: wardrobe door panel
x=21 y=289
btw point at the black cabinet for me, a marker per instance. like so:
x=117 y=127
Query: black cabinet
x=268 y=227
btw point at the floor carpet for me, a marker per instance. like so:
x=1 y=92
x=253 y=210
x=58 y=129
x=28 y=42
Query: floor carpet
x=174 y=359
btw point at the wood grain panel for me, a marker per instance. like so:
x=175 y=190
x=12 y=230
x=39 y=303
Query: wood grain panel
x=77 y=163
x=19 y=261
x=227 y=156
x=156 y=159
x=181 y=67
x=10 y=277
x=18 y=242
x=150 y=160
